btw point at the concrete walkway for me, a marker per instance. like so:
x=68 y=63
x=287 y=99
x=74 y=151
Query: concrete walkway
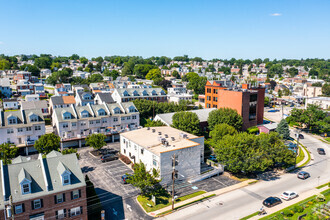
x=285 y=204
x=216 y=192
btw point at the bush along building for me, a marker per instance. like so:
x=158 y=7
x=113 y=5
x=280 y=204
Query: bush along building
x=47 y=188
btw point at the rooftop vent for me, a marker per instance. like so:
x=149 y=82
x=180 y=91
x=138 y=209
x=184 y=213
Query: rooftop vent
x=183 y=135
x=153 y=130
x=159 y=133
x=166 y=136
x=173 y=139
x=148 y=128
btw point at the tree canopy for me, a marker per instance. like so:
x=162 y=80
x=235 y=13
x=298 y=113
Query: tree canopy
x=144 y=180
x=221 y=130
x=7 y=152
x=225 y=115
x=47 y=143
x=283 y=129
x=96 y=141
x=186 y=121
x=249 y=154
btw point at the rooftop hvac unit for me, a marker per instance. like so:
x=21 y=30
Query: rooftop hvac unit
x=166 y=136
x=153 y=130
x=159 y=133
x=148 y=128
x=173 y=139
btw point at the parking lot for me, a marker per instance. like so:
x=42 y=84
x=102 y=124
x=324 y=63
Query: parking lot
x=118 y=199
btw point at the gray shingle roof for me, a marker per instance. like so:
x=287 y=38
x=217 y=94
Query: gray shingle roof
x=34 y=104
x=141 y=92
x=106 y=98
x=32 y=170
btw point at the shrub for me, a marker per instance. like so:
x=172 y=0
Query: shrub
x=288 y=213
x=320 y=198
x=298 y=209
x=125 y=159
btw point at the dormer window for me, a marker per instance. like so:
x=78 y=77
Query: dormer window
x=26 y=188
x=126 y=93
x=117 y=110
x=154 y=92
x=131 y=109
x=162 y=92
x=101 y=112
x=87 y=97
x=25 y=181
x=135 y=93
x=33 y=118
x=84 y=114
x=145 y=93
x=12 y=120
x=66 y=115
x=64 y=173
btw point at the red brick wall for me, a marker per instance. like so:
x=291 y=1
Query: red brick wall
x=49 y=207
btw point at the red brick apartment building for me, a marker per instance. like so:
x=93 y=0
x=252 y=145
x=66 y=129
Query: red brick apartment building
x=248 y=102
x=47 y=188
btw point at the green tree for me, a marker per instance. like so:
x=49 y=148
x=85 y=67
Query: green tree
x=4 y=64
x=326 y=89
x=96 y=141
x=153 y=74
x=144 y=180
x=153 y=123
x=83 y=60
x=249 y=154
x=74 y=57
x=227 y=116
x=283 y=129
x=175 y=74
x=293 y=72
x=59 y=77
x=275 y=69
x=47 y=143
x=266 y=101
x=221 y=130
x=186 y=121
x=35 y=71
x=7 y=152
x=70 y=151
x=95 y=78
x=43 y=62
x=196 y=83
x=55 y=66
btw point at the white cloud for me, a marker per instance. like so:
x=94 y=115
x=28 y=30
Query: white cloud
x=275 y=14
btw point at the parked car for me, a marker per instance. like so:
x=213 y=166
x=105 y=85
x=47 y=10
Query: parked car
x=303 y=175
x=109 y=157
x=287 y=195
x=321 y=151
x=271 y=201
x=300 y=136
x=125 y=178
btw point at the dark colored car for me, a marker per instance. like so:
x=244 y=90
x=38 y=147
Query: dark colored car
x=303 y=175
x=271 y=201
x=125 y=178
x=321 y=151
x=300 y=136
x=109 y=157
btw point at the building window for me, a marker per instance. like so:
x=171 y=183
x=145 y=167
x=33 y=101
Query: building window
x=65 y=125
x=66 y=179
x=75 y=194
x=142 y=150
x=38 y=127
x=37 y=204
x=208 y=90
x=26 y=188
x=12 y=121
x=19 y=129
x=76 y=211
x=128 y=118
x=123 y=118
x=19 y=209
x=91 y=122
x=74 y=124
x=97 y=121
x=134 y=117
x=10 y=131
x=154 y=162
x=115 y=119
x=28 y=128
x=59 y=198
x=60 y=214
x=104 y=120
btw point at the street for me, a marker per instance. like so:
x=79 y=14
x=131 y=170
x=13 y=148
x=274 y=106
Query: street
x=242 y=202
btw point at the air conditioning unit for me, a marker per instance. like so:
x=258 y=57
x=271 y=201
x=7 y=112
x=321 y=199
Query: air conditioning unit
x=166 y=136
x=153 y=130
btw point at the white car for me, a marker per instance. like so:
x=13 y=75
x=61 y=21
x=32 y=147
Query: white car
x=287 y=195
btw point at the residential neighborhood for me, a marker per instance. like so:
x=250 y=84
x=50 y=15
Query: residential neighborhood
x=138 y=110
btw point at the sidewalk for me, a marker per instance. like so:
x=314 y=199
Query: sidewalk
x=216 y=192
x=285 y=204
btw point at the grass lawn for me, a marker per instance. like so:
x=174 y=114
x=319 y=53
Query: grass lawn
x=323 y=185
x=327 y=139
x=163 y=200
x=309 y=204
x=301 y=155
x=51 y=88
x=250 y=216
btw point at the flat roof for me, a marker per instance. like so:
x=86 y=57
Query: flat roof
x=151 y=140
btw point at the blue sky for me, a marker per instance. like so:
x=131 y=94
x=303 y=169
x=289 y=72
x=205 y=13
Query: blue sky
x=208 y=29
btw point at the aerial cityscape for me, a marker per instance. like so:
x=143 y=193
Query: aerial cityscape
x=170 y=110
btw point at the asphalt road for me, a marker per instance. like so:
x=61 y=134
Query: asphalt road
x=244 y=201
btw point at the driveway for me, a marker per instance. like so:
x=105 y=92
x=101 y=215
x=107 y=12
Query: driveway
x=118 y=199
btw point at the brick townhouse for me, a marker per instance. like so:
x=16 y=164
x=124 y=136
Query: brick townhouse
x=46 y=188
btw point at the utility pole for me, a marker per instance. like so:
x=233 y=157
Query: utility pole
x=282 y=110
x=174 y=161
x=295 y=164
